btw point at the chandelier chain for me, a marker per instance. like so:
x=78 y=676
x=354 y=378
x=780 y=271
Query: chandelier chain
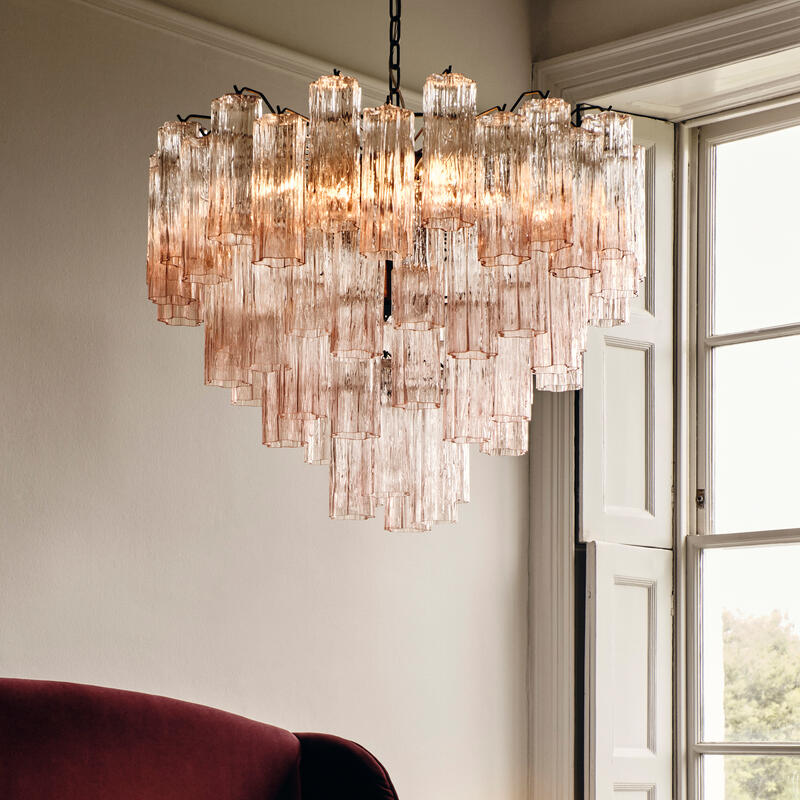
x=394 y=97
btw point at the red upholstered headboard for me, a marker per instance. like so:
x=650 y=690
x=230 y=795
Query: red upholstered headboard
x=64 y=741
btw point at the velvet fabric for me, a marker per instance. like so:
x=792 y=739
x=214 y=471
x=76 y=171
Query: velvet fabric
x=63 y=741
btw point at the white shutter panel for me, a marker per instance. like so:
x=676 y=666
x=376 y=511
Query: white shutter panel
x=626 y=404
x=628 y=673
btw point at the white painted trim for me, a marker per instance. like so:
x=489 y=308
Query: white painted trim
x=219 y=37
x=741 y=33
x=551 y=632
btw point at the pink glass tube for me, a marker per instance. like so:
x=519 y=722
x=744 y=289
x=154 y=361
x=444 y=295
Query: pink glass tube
x=387 y=182
x=250 y=394
x=278 y=180
x=394 y=463
x=188 y=315
x=165 y=285
x=467 y=399
x=332 y=177
x=471 y=323
x=559 y=349
x=569 y=381
x=278 y=430
x=357 y=324
x=354 y=398
x=231 y=165
x=551 y=221
x=351 y=479
x=504 y=189
x=448 y=174
x=227 y=316
x=267 y=313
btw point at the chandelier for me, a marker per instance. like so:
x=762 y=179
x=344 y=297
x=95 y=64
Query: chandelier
x=388 y=296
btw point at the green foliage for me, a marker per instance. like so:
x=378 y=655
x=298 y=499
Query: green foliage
x=762 y=703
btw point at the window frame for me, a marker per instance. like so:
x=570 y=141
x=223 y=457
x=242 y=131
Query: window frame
x=700 y=537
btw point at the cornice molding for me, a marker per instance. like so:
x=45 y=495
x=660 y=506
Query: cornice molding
x=227 y=40
x=745 y=32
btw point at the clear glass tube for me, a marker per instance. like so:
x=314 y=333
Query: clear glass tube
x=387 y=182
x=506 y=438
x=307 y=381
x=351 y=479
x=569 y=381
x=512 y=393
x=278 y=185
x=559 y=349
x=358 y=281
x=448 y=173
x=416 y=367
x=471 y=320
x=551 y=221
x=318 y=444
x=308 y=309
x=355 y=398
x=504 y=189
x=467 y=399
x=332 y=177
x=579 y=260
x=393 y=456
x=231 y=165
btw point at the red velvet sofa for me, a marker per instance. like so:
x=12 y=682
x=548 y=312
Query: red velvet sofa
x=65 y=741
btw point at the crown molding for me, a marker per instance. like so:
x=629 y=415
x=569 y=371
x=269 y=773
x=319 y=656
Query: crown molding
x=219 y=37
x=744 y=32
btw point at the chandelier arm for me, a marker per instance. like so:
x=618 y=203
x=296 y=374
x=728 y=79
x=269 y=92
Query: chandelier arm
x=243 y=89
x=528 y=93
x=284 y=109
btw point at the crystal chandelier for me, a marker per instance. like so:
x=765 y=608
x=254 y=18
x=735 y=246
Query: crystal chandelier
x=386 y=305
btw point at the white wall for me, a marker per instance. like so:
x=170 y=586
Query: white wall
x=148 y=541
x=564 y=26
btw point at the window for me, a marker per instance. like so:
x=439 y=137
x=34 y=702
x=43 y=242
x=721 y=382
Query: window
x=744 y=562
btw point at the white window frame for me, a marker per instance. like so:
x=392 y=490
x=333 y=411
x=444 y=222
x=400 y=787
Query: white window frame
x=700 y=537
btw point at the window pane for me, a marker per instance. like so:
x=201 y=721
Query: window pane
x=751 y=778
x=756 y=264
x=751 y=644
x=756 y=436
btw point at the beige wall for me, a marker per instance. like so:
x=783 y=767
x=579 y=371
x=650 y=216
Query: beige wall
x=564 y=26
x=148 y=541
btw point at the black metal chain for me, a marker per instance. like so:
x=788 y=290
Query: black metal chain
x=394 y=98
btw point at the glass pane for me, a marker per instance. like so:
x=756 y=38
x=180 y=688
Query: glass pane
x=756 y=436
x=751 y=778
x=756 y=275
x=751 y=644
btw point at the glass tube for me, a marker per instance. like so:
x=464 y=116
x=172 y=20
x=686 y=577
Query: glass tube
x=228 y=304
x=188 y=315
x=251 y=393
x=351 y=479
x=569 y=381
x=616 y=173
x=522 y=298
x=276 y=429
x=506 y=438
x=551 y=221
x=394 y=461
x=416 y=367
x=318 y=443
x=278 y=181
x=471 y=320
x=579 y=260
x=512 y=393
x=306 y=382
x=308 y=309
x=165 y=285
x=448 y=173
x=387 y=182
x=355 y=398
x=357 y=324
x=267 y=315
x=231 y=167
x=559 y=349
x=467 y=399
x=504 y=189
x=332 y=177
